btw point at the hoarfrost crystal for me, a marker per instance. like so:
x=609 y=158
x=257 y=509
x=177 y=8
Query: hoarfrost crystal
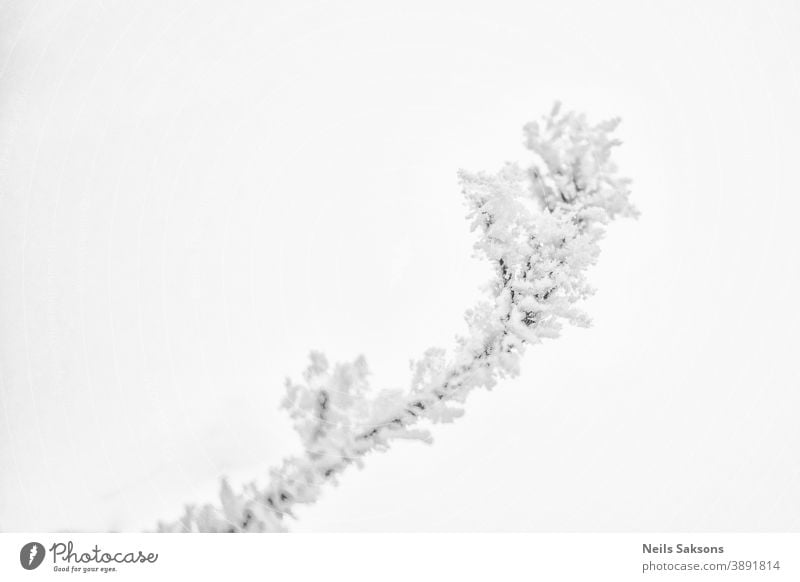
x=540 y=227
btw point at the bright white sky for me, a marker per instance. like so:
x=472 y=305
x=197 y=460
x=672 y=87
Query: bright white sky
x=193 y=196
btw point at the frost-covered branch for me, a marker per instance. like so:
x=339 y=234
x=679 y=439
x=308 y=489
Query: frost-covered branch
x=540 y=226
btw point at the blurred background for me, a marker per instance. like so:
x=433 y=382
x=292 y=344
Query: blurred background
x=194 y=195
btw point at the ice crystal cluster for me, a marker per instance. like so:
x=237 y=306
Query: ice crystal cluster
x=539 y=226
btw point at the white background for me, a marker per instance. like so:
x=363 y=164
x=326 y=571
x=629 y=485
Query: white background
x=193 y=195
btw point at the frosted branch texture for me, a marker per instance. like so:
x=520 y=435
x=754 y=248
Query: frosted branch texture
x=539 y=226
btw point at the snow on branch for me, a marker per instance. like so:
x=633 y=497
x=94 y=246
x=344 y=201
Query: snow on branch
x=540 y=227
